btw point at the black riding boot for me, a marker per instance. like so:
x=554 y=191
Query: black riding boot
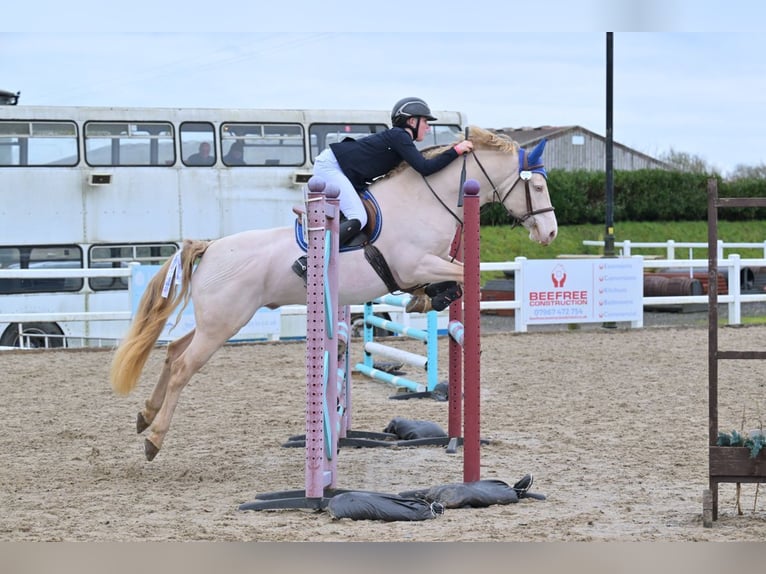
x=348 y=230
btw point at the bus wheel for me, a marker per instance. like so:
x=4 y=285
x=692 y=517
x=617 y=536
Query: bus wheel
x=36 y=336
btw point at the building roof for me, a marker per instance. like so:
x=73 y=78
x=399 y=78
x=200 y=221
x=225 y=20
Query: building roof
x=525 y=136
x=528 y=136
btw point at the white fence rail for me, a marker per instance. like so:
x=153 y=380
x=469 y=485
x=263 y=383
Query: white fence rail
x=670 y=246
x=734 y=298
x=733 y=265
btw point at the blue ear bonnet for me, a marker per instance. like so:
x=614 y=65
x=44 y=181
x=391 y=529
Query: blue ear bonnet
x=534 y=160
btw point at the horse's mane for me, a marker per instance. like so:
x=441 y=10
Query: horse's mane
x=480 y=137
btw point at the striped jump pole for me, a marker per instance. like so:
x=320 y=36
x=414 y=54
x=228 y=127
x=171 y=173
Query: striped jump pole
x=428 y=362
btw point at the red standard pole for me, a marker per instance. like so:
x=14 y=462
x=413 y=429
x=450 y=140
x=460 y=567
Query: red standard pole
x=472 y=334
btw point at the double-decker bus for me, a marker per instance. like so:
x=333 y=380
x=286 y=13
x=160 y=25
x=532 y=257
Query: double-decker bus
x=88 y=188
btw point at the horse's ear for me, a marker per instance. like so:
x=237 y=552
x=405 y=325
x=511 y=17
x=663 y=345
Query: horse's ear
x=536 y=154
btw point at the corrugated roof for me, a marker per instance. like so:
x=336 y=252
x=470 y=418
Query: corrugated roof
x=525 y=135
x=528 y=136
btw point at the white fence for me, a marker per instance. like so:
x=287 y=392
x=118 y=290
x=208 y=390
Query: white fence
x=670 y=246
x=732 y=265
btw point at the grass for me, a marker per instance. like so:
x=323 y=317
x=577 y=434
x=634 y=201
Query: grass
x=505 y=244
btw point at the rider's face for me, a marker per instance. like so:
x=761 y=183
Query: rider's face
x=422 y=128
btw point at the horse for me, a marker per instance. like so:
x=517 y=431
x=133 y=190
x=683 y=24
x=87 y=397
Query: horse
x=230 y=278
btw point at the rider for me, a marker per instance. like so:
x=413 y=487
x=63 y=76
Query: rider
x=352 y=165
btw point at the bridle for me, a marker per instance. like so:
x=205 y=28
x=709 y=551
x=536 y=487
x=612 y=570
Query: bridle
x=525 y=175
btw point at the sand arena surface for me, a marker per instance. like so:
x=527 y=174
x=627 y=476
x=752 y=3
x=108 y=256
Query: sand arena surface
x=611 y=423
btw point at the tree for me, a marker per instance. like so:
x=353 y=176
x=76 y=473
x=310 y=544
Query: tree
x=686 y=162
x=742 y=171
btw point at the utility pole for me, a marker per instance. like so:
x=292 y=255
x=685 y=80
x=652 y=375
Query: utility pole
x=609 y=234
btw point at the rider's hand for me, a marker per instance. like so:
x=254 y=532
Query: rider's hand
x=464 y=146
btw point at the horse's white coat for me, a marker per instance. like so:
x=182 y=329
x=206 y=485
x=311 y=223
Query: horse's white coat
x=240 y=273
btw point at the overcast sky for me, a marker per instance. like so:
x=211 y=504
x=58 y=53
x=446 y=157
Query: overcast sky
x=679 y=84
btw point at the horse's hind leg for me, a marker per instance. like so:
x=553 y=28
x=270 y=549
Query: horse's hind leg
x=198 y=351
x=154 y=402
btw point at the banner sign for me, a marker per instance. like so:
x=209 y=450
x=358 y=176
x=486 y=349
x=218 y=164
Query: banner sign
x=583 y=290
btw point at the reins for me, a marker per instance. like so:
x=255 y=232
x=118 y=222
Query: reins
x=378 y=262
x=525 y=175
x=462 y=176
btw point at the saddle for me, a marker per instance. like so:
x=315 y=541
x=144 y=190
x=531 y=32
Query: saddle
x=368 y=235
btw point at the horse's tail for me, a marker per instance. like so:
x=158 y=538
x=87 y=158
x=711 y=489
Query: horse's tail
x=152 y=315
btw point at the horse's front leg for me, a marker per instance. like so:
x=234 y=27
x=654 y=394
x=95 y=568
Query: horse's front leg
x=432 y=269
x=154 y=402
x=443 y=278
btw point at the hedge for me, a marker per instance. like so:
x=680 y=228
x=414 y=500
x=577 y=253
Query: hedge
x=642 y=195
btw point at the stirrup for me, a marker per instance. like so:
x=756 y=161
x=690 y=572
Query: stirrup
x=300 y=267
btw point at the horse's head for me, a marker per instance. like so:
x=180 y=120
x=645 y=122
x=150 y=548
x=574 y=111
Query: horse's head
x=518 y=180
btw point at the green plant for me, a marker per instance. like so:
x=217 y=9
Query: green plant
x=754 y=442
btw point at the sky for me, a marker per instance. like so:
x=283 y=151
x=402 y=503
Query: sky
x=681 y=81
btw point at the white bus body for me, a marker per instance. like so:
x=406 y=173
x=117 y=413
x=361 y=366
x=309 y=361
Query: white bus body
x=100 y=187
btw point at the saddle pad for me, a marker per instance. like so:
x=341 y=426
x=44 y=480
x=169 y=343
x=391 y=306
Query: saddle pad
x=375 y=218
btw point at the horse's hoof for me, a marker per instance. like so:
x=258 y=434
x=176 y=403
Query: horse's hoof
x=150 y=450
x=141 y=424
x=418 y=304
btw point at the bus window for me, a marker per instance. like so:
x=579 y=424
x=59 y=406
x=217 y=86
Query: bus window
x=47 y=143
x=265 y=144
x=322 y=135
x=129 y=143
x=197 y=143
x=440 y=135
x=41 y=257
x=119 y=256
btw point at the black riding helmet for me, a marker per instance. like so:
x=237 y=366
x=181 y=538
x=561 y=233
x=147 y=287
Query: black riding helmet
x=408 y=108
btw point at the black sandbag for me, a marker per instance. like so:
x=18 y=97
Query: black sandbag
x=411 y=429
x=440 y=392
x=478 y=494
x=379 y=506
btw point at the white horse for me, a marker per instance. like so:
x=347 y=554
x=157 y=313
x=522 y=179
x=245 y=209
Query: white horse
x=240 y=273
